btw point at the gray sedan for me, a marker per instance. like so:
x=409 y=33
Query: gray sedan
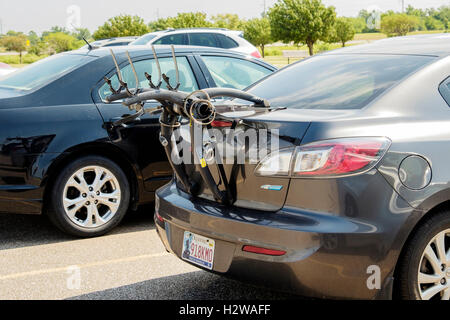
x=355 y=200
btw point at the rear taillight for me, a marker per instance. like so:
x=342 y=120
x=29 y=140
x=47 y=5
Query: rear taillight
x=221 y=124
x=256 y=54
x=276 y=164
x=331 y=158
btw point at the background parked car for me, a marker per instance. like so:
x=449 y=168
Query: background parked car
x=59 y=149
x=6 y=69
x=207 y=37
x=112 y=42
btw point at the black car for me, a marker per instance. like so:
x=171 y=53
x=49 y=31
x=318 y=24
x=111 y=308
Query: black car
x=353 y=198
x=63 y=150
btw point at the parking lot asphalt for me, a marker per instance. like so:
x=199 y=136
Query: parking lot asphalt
x=38 y=261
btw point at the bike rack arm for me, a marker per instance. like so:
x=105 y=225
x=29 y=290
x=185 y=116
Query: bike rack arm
x=178 y=97
x=234 y=93
x=160 y=95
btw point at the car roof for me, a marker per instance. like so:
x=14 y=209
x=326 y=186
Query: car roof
x=198 y=30
x=122 y=39
x=437 y=44
x=136 y=50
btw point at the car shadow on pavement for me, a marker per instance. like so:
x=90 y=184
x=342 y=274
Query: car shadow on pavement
x=17 y=231
x=199 y=285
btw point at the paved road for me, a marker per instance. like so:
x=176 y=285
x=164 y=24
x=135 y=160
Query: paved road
x=11 y=53
x=39 y=262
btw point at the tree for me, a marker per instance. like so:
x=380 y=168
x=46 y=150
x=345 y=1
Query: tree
x=443 y=14
x=55 y=29
x=398 y=24
x=33 y=37
x=421 y=17
x=158 y=25
x=38 y=48
x=433 y=24
x=343 y=31
x=228 y=21
x=17 y=43
x=14 y=33
x=359 y=24
x=189 y=20
x=257 y=32
x=301 y=21
x=60 y=42
x=82 y=33
x=411 y=11
x=182 y=20
x=121 y=26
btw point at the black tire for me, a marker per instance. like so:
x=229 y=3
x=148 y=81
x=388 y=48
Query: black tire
x=57 y=213
x=407 y=284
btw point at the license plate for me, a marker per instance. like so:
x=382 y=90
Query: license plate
x=198 y=250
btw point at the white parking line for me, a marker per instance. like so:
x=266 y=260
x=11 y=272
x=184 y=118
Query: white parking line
x=87 y=265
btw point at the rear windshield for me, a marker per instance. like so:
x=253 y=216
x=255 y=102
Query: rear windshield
x=43 y=71
x=337 y=81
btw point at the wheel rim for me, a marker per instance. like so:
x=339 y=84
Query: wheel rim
x=91 y=197
x=434 y=269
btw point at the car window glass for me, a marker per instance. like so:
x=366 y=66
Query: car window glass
x=444 y=89
x=234 y=73
x=43 y=71
x=143 y=40
x=203 y=39
x=176 y=39
x=187 y=79
x=116 y=44
x=226 y=42
x=337 y=81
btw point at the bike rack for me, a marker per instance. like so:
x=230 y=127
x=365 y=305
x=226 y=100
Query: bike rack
x=175 y=105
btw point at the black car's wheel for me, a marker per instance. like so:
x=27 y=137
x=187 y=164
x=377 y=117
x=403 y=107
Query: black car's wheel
x=89 y=197
x=424 y=272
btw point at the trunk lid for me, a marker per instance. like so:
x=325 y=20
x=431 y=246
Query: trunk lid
x=240 y=150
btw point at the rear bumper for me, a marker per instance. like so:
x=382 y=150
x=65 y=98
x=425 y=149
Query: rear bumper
x=327 y=256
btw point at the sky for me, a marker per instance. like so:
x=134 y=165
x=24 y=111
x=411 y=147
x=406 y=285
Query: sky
x=41 y=15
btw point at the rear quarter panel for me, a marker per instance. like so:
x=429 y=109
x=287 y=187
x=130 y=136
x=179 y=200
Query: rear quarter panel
x=415 y=117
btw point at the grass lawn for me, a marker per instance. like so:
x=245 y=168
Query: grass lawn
x=14 y=60
x=369 y=36
x=279 y=61
x=378 y=35
x=18 y=65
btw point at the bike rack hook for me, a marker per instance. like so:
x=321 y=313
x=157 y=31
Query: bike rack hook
x=167 y=79
x=136 y=91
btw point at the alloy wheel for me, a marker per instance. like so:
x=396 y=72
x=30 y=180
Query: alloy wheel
x=91 y=197
x=434 y=270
